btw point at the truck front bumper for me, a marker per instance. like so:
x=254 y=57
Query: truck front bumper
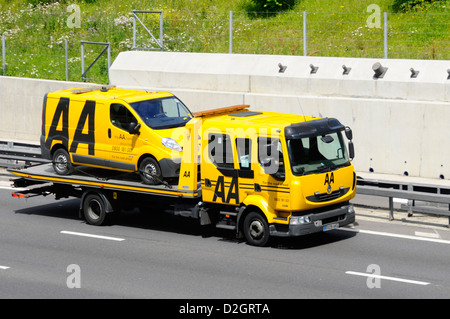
x=315 y=222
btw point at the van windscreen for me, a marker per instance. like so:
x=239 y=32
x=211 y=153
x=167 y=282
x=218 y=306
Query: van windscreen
x=162 y=113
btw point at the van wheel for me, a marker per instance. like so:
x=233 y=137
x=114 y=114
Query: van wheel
x=150 y=171
x=94 y=210
x=61 y=162
x=256 y=229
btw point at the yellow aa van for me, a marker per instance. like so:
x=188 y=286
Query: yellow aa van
x=112 y=128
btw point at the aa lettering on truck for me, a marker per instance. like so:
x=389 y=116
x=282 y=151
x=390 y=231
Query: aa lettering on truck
x=62 y=115
x=233 y=190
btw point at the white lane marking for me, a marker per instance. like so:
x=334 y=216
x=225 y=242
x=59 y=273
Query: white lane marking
x=91 y=235
x=371 y=232
x=415 y=282
x=4 y=267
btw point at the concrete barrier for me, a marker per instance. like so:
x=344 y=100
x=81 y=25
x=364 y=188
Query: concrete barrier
x=399 y=121
x=21 y=106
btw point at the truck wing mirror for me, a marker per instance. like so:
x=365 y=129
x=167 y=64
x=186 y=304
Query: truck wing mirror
x=348 y=133
x=351 y=150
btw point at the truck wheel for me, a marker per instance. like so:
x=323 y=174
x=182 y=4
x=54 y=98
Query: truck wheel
x=256 y=229
x=94 y=209
x=150 y=171
x=61 y=162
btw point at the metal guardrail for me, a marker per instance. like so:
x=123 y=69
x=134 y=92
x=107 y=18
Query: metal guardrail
x=13 y=154
x=437 y=195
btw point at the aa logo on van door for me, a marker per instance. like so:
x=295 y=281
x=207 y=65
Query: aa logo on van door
x=87 y=114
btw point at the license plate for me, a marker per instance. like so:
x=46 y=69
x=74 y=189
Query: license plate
x=331 y=226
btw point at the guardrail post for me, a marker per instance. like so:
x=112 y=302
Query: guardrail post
x=391 y=208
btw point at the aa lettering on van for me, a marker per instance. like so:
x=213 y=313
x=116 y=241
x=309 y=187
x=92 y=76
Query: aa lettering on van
x=87 y=114
x=88 y=138
x=62 y=109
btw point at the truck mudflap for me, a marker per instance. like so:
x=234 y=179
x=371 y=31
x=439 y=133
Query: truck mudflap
x=315 y=222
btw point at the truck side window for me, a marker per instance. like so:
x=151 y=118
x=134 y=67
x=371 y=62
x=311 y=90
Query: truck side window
x=220 y=150
x=121 y=117
x=270 y=155
x=244 y=150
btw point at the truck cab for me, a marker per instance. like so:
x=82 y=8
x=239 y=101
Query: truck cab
x=275 y=174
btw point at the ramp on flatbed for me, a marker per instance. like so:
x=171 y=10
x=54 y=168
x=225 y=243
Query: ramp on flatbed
x=99 y=178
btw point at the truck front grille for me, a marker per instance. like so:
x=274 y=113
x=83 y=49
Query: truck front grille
x=325 y=197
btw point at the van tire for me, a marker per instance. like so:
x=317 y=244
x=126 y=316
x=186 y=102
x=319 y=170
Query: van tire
x=94 y=210
x=150 y=171
x=256 y=229
x=61 y=162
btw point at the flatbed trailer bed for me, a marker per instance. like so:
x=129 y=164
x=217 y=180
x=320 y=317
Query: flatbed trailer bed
x=97 y=178
x=104 y=191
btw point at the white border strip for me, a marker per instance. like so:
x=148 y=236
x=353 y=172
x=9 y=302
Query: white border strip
x=371 y=232
x=91 y=235
x=415 y=282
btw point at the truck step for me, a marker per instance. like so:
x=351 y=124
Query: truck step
x=224 y=225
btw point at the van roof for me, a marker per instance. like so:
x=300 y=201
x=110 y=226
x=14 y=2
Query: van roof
x=110 y=93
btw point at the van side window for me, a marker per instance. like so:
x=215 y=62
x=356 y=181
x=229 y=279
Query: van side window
x=244 y=150
x=220 y=150
x=121 y=117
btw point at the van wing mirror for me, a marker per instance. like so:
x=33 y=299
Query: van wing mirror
x=134 y=128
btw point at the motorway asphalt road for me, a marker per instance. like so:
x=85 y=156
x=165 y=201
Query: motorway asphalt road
x=46 y=251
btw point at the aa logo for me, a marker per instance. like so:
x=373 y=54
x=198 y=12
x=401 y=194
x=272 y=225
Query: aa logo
x=329 y=179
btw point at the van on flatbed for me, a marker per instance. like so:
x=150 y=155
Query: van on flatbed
x=257 y=173
x=118 y=129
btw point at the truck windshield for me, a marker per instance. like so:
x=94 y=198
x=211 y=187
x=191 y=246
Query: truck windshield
x=316 y=154
x=162 y=113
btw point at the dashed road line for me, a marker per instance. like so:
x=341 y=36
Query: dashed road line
x=91 y=235
x=4 y=267
x=408 y=281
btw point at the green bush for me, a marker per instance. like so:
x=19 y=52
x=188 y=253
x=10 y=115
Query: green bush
x=407 y=5
x=270 y=6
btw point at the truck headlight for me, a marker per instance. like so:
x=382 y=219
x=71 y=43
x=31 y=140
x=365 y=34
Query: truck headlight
x=350 y=209
x=299 y=220
x=171 y=143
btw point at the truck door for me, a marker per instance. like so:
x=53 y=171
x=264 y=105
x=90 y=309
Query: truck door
x=219 y=176
x=246 y=152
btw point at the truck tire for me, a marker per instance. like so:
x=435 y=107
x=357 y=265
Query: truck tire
x=256 y=229
x=61 y=162
x=150 y=171
x=94 y=209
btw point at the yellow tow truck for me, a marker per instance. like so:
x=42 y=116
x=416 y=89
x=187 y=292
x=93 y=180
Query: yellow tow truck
x=257 y=173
